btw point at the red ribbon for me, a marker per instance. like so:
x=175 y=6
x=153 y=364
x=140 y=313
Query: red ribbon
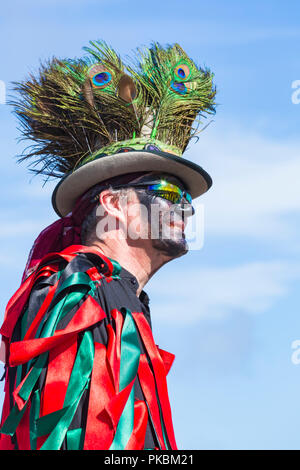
x=87 y=315
x=99 y=429
x=148 y=386
x=159 y=372
x=137 y=438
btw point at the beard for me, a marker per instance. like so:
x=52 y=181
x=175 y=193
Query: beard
x=170 y=241
x=166 y=237
x=171 y=248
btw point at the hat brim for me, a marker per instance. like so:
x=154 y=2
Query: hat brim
x=104 y=167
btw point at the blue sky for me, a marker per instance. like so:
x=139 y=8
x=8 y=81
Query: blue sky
x=230 y=311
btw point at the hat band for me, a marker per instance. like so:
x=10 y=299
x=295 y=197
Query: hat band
x=131 y=145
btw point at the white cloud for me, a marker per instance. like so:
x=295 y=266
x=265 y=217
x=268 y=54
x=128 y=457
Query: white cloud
x=216 y=291
x=256 y=185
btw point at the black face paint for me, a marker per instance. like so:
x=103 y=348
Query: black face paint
x=160 y=213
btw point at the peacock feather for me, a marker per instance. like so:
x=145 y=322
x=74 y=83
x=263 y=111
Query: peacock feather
x=76 y=109
x=173 y=92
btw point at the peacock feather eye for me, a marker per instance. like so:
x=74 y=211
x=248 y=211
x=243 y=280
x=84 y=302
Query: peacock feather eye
x=182 y=71
x=102 y=78
x=179 y=88
x=99 y=75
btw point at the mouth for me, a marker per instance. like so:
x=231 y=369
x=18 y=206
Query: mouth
x=180 y=225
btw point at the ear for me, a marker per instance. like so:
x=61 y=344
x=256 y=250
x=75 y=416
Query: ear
x=113 y=205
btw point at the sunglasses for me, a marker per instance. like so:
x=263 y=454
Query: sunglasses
x=169 y=191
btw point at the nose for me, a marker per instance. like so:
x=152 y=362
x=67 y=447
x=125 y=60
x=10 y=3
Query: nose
x=186 y=208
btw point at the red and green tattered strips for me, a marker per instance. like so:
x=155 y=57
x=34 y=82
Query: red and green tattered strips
x=130 y=356
x=75 y=288
x=46 y=407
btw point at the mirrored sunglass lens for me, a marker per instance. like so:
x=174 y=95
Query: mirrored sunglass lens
x=169 y=195
x=164 y=186
x=170 y=191
x=188 y=198
x=173 y=197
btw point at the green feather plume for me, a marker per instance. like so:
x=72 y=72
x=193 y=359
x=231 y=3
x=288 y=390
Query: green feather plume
x=76 y=108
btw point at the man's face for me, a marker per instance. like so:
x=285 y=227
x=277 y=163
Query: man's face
x=160 y=220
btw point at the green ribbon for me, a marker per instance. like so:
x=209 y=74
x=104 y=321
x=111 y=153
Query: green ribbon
x=83 y=285
x=59 y=421
x=75 y=279
x=129 y=363
x=34 y=414
x=75 y=439
x=12 y=421
x=116 y=268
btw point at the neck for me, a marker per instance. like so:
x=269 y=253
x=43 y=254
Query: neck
x=141 y=261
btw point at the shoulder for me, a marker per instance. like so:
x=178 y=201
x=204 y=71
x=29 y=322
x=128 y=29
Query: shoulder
x=80 y=272
x=63 y=287
x=70 y=262
x=91 y=273
x=59 y=275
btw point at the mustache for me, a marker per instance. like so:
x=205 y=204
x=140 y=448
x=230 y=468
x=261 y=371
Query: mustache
x=173 y=216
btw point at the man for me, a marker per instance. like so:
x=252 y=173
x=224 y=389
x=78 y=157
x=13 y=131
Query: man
x=83 y=370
